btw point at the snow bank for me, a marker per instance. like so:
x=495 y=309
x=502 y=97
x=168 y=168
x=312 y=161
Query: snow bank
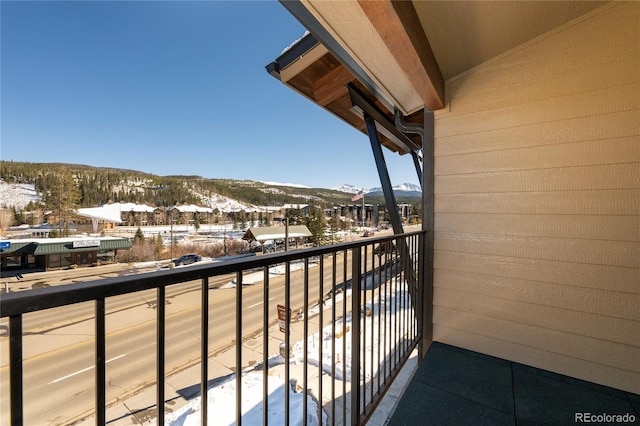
x=221 y=400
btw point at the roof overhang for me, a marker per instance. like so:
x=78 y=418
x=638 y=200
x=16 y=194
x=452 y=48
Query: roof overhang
x=399 y=54
x=266 y=233
x=380 y=43
x=312 y=70
x=101 y=213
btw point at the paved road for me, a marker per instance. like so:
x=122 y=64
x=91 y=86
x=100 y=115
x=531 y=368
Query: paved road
x=64 y=339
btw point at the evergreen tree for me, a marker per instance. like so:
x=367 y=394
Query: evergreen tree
x=139 y=237
x=63 y=198
x=236 y=224
x=243 y=220
x=295 y=216
x=317 y=224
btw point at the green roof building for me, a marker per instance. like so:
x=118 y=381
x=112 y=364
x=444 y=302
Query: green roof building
x=59 y=253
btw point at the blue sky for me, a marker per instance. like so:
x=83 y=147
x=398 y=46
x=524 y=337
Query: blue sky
x=170 y=88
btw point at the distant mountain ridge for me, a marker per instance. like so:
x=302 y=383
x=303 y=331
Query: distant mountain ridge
x=402 y=190
x=28 y=183
x=350 y=189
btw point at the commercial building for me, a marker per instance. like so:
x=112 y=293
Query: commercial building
x=59 y=253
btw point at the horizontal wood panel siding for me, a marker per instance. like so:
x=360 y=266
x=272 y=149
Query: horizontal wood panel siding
x=606 y=126
x=596 y=252
x=601 y=152
x=537 y=206
x=556 y=108
x=596 y=227
x=569 y=344
x=537 y=357
x=570 y=273
x=587 y=202
x=616 y=305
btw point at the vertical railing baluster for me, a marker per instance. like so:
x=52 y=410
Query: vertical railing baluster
x=287 y=307
x=239 y=348
x=406 y=285
x=305 y=365
x=355 y=335
x=415 y=287
x=363 y=325
x=334 y=281
x=411 y=297
x=387 y=347
x=204 y=351
x=380 y=360
x=416 y=245
x=397 y=284
x=101 y=345
x=414 y=283
x=321 y=334
x=160 y=351
x=373 y=289
x=344 y=335
x=418 y=304
x=15 y=370
x=265 y=350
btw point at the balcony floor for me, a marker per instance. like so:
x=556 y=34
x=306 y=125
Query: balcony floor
x=454 y=386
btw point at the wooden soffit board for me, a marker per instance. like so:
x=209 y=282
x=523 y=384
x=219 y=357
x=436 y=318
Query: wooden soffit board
x=324 y=81
x=352 y=28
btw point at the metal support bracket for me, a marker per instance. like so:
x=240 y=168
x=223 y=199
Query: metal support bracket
x=383 y=173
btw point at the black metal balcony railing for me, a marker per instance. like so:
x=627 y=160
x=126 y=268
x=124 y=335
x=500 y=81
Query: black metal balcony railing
x=374 y=269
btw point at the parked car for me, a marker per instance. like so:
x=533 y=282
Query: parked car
x=187 y=259
x=368 y=234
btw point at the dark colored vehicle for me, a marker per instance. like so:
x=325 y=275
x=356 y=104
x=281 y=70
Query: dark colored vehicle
x=187 y=259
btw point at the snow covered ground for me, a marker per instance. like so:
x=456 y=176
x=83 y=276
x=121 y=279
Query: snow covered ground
x=380 y=312
x=17 y=195
x=222 y=404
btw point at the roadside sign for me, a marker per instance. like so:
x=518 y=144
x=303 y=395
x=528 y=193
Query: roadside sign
x=5 y=245
x=282 y=317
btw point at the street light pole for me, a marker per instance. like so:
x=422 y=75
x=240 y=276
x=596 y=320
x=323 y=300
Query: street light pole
x=286 y=234
x=171 y=222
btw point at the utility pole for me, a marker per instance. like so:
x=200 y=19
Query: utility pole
x=286 y=234
x=364 y=213
x=171 y=233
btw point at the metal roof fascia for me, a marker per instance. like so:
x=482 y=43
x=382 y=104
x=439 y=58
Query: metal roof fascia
x=301 y=47
x=53 y=248
x=19 y=247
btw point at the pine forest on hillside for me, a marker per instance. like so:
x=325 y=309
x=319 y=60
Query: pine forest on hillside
x=69 y=186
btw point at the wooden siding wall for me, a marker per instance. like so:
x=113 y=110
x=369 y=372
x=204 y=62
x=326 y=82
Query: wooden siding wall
x=537 y=203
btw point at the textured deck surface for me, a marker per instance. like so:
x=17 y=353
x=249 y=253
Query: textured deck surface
x=453 y=386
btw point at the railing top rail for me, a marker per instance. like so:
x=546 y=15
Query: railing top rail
x=51 y=297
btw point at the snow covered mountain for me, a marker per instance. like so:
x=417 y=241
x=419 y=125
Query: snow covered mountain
x=350 y=189
x=293 y=185
x=402 y=190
